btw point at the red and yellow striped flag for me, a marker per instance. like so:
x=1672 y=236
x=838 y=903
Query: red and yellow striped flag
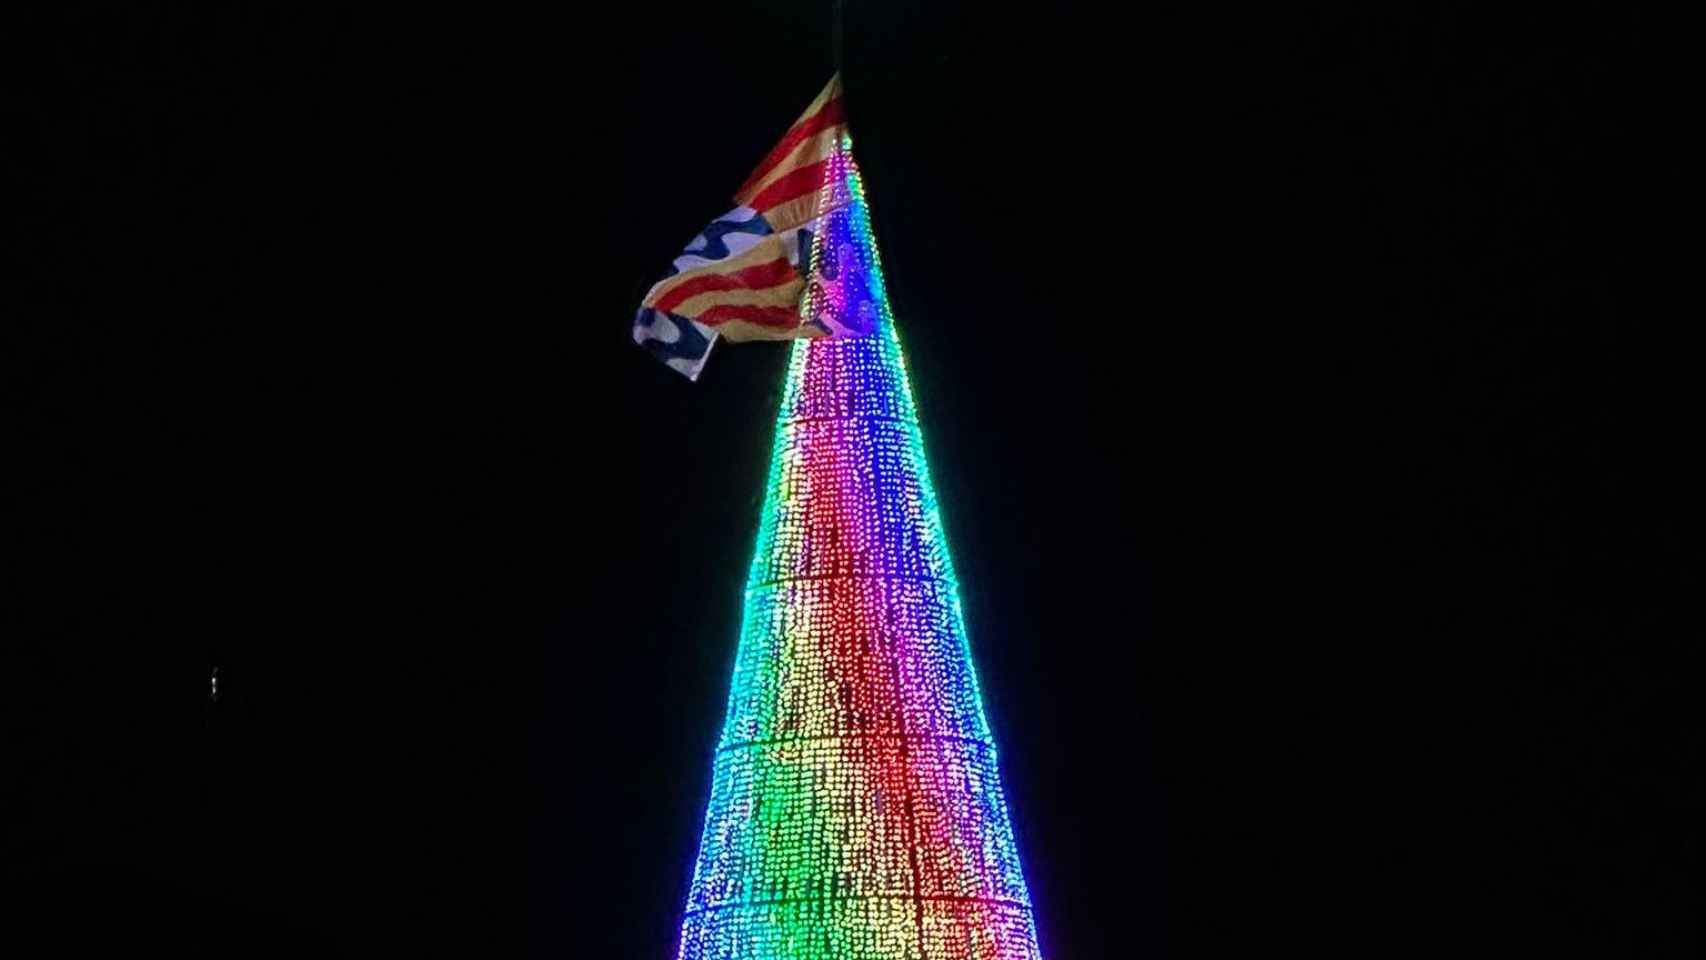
x=743 y=277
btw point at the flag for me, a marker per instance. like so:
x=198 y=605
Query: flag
x=776 y=266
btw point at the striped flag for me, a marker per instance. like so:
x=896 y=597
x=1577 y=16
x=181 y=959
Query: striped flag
x=768 y=269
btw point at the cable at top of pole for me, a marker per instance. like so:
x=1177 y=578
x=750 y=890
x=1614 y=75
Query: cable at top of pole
x=835 y=32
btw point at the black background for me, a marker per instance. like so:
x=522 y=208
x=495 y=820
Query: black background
x=1305 y=386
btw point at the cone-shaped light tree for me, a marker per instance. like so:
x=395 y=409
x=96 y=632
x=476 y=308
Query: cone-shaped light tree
x=855 y=812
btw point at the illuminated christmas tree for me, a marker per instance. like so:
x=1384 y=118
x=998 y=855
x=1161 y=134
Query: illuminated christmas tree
x=856 y=811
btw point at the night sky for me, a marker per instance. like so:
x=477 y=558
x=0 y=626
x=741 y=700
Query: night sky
x=1305 y=386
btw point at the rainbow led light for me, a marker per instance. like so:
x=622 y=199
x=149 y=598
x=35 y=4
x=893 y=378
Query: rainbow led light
x=856 y=812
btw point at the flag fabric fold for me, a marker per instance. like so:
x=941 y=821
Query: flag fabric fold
x=768 y=269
